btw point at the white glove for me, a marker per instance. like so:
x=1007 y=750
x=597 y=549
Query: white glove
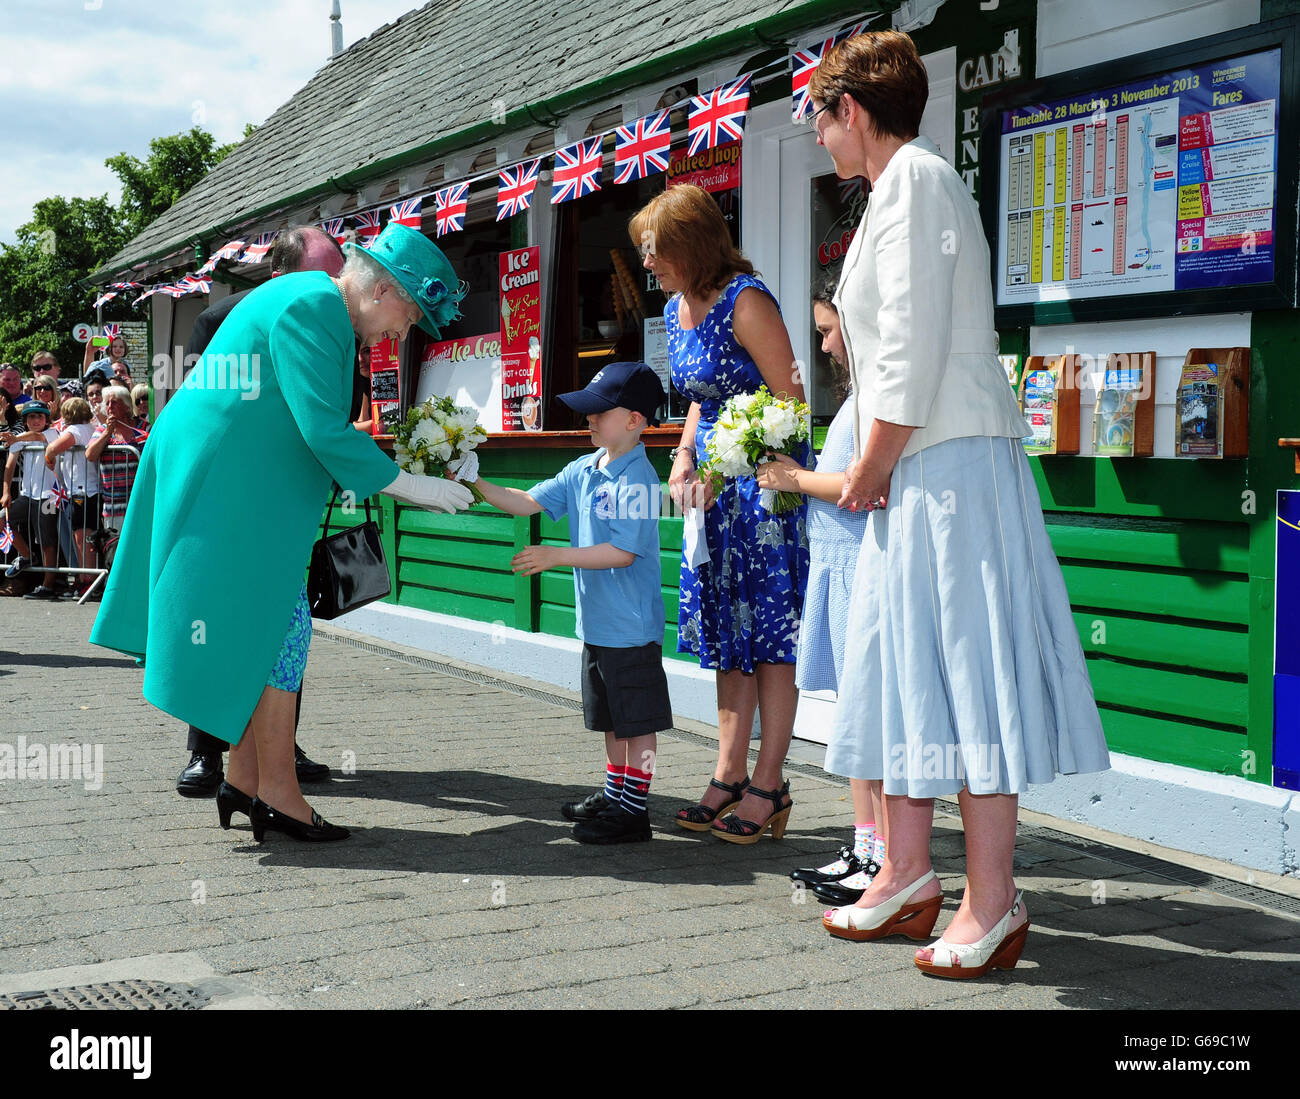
x=465 y=468
x=433 y=493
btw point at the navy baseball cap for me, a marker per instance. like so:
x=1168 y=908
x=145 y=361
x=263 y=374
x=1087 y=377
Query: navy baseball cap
x=633 y=386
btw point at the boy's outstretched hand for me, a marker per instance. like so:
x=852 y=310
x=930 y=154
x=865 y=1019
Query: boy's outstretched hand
x=535 y=559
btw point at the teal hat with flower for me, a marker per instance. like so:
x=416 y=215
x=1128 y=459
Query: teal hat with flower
x=423 y=272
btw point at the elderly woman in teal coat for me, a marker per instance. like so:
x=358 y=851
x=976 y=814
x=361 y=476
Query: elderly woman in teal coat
x=207 y=586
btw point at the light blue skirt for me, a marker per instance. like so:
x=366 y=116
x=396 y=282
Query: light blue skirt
x=963 y=667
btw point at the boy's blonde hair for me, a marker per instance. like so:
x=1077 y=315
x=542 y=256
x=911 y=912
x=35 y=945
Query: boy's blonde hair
x=75 y=410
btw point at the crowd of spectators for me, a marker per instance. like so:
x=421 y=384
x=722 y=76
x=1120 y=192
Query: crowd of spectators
x=66 y=473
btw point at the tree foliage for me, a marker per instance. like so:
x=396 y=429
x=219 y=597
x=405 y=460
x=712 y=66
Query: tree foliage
x=69 y=238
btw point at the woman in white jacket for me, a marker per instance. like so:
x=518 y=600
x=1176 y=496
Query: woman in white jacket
x=965 y=673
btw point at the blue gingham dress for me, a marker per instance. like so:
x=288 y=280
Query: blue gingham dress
x=741 y=607
x=834 y=539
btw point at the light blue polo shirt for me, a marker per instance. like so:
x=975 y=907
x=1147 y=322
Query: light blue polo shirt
x=618 y=608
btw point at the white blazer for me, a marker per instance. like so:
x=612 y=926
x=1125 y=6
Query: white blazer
x=916 y=309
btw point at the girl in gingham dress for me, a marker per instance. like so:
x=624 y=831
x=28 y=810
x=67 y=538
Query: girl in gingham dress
x=834 y=539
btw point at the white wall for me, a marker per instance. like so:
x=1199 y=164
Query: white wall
x=1073 y=34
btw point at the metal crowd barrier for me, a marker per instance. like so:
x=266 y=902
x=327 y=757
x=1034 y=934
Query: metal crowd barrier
x=69 y=482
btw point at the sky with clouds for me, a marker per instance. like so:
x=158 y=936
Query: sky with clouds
x=83 y=80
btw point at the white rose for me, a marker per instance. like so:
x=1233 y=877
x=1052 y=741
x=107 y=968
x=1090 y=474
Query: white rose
x=442 y=450
x=416 y=467
x=743 y=402
x=778 y=425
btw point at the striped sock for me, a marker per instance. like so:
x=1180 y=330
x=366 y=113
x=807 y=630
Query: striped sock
x=636 y=788
x=614 y=783
x=863 y=835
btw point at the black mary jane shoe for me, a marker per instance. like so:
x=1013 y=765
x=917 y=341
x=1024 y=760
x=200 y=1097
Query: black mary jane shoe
x=266 y=819
x=230 y=799
x=848 y=890
x=815 y=876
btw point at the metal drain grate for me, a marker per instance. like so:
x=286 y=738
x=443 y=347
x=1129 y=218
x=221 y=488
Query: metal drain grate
x=108 y=996
x=1184 y=875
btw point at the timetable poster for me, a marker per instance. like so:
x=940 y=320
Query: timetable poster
x=1167 y=183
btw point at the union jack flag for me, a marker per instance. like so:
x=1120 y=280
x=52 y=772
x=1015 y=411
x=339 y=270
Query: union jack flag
x=804 y=63
x=124 y=285
x=367 y=224
x=406 y=212
x=6 y=539
x=515 y=188
x=256 y=252
x=335 y=227
x=195 y=284
x=719 y=116
x=112 y=330
x=449 y=206
x=60 y=494
x=209 y=265
x=103 y=298
x=577 y=170
x=641 y=149
x=149 y=293
x=172 y=290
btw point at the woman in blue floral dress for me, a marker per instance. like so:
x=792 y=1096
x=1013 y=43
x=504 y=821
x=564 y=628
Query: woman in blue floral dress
x=740 y=607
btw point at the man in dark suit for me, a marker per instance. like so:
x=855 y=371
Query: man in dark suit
x=304 y=248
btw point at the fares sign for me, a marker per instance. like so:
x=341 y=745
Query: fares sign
x=1164 y=184
x=521 y=339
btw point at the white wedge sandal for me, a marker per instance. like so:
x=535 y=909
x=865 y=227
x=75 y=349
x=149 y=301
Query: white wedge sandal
x=896 y=916
x=999 y=949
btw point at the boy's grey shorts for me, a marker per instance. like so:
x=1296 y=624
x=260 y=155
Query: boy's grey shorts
x=625 y=691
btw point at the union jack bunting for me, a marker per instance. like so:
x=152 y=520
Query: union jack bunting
x=171 y=290
x=367 y=225
x=515 y=188
x=209 y=265
x=804 y=62
x=577 y=170
x=256 y=252
x=149 y=293
x=641 y=149
x=124 y=285
x=195 y=284
x=449 y=206
x=229 y=250
x=103 y=298
x=406 y=212
x=335 y=227
x=719 y=116
x=6 y=539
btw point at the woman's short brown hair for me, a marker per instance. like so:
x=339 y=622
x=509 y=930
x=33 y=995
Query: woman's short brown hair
x=883 y=73
x=76 y=411
x=684 y=225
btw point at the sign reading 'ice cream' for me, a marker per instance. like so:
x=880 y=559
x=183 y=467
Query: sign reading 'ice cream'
x=521 y=339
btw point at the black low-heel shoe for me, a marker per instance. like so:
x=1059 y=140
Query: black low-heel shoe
x=231 y=800
x=318 y=831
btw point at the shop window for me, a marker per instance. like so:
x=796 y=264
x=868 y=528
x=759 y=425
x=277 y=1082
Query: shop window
x=836 y=206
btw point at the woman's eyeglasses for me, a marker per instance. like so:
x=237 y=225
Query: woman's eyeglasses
x=811 y=120
x=43 y=389
x=142 y=401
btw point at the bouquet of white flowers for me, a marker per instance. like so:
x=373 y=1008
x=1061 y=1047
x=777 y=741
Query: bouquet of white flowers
x=437 y=436
x=750 y=426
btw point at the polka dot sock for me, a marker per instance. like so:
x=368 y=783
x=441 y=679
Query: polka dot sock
x=863 y=836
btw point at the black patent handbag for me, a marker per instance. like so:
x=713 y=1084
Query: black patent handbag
x=347 y=570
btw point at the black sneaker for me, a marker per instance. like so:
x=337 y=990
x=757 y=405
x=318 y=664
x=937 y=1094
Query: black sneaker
x=43 y=592
x=614 y=825
x=17 y=566
x=589 y=808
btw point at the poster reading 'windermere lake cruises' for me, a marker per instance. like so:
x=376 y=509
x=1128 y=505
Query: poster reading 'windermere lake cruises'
x=1168 y=183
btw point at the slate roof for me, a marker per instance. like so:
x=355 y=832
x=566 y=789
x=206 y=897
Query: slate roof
x=434 y=74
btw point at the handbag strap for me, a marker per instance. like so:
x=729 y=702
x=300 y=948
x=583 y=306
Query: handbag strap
x=330 y=511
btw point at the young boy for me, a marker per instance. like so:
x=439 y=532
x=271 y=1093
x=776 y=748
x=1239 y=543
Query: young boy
x=612 y=500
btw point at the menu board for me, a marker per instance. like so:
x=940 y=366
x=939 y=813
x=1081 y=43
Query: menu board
x=1163 y=184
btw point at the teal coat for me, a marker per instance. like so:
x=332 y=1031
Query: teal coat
x=228 y=500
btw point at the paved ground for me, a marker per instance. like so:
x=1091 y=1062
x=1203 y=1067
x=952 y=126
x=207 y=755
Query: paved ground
x=462 y=886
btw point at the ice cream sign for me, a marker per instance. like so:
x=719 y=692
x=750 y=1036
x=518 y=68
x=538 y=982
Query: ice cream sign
x=521 y=339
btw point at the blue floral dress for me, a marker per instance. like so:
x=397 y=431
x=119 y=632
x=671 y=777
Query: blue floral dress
x=742 y=606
